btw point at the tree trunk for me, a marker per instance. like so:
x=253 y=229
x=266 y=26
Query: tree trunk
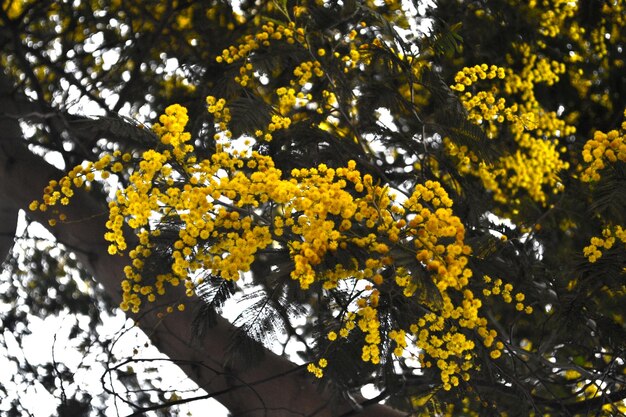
x=275 y=387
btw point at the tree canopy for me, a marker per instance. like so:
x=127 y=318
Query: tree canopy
x=426 y=198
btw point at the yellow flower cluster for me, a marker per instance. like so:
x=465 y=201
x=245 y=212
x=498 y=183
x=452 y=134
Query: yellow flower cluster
x=470 y=75
x=425 y=222
x=535 y=164
x=60 y=192
x=317 y=369
x=184 y=19
x=335 y=223
x=554 y=14
x=610 y=235
x=171 y=131
x=306 y=70
x=146 y=16
x=289 y=100
x=592 y=46
x=451 y=351
x=348 y=324
x=604 y=147
x=263 y=38
x=369 y=324
x=464 y=157
x=295 y=100
x=277 y=122
x=13 y=8
x=599 y=154
x=531 y=168
x=613 y=18
x=536 y=69
x=358 y=54
x=221 y=115
x=270 y=31
x=506 y=293
x=400 y=339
